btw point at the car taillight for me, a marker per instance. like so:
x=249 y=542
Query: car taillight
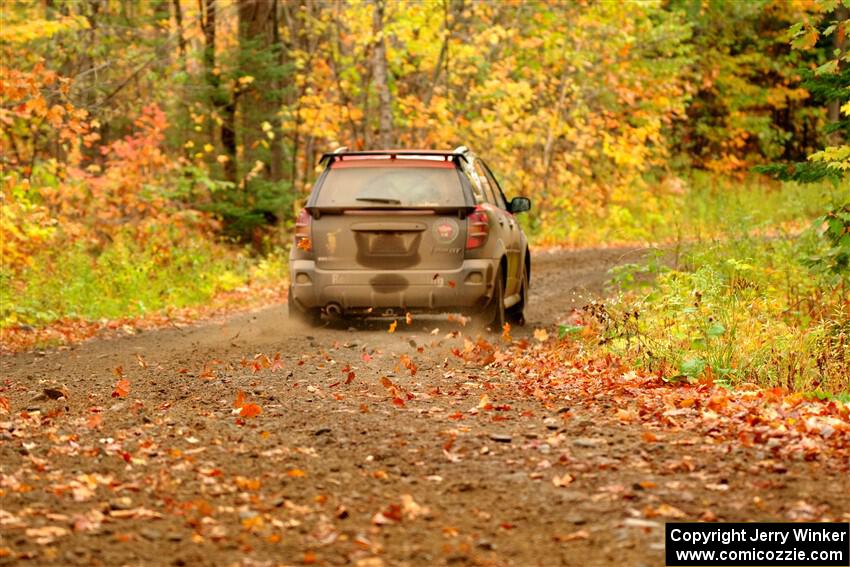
x=302 y=230
x=477 y=229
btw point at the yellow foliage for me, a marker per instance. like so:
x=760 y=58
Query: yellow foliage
x=39 y=28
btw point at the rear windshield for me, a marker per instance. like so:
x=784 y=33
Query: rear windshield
x=391 y=186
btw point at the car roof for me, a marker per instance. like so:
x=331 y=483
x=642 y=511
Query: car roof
x=461 y=152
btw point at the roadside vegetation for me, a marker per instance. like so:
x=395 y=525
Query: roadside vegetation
x=768 y=309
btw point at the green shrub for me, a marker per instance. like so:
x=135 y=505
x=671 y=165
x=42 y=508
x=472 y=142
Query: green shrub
x=742 y=310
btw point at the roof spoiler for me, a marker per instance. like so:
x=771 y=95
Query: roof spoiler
x=340 y=154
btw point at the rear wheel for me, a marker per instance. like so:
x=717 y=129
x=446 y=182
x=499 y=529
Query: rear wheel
x=311 y=317
x=516 y=312
x=493 y=315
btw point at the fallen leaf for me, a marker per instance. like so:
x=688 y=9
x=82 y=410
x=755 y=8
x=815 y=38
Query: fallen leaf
x=93 y=421
x=664 y=510
x=46 y=534
x=411 y=509
x=649 y=437
x=564 y=480
x=580 y=534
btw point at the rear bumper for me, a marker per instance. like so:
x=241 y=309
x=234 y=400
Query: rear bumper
x=466 y=288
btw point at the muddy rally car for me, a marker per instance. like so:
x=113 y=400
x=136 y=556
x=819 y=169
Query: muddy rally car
x=385 y=233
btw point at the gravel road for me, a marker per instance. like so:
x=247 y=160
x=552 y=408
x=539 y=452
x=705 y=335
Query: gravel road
x=342 y=468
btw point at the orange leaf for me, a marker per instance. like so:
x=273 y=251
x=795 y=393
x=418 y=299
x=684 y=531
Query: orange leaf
x=240 y=399
x=250 y=410
x=649 y=437
x=94 y=420
x=393 y=325
x=581 y=534
x=122 y=388
x=296 y=473
x=506 y=332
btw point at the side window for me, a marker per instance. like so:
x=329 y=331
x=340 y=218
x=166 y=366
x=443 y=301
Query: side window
x=489 y=193
x=497 y=189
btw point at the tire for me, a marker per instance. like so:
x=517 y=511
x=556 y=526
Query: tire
x=309 y=317
x=516 y=313
x=493 y=316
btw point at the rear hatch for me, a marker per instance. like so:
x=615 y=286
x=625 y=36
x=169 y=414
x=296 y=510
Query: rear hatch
x=389 y=214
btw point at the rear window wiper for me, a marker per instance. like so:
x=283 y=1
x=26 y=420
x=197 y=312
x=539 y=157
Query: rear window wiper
x=384 y=200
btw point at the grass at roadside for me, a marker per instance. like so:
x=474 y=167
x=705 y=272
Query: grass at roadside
x=699 y=207
x=774 y=310
x=75 y=287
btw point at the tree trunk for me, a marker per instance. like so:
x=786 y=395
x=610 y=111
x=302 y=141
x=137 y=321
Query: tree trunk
x=276 y=118
x=222 y=102
x=181 y=39
x=553 y=126
x=380 y=75
x=840 y=43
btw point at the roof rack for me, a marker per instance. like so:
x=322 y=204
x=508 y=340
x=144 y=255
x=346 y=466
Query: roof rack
x=340 y=153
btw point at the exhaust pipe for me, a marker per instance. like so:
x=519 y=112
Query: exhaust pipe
x=333 y=310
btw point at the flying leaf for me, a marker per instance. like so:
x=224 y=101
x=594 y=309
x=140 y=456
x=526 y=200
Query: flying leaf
x=506 y=332
x=122 y=388
x=250 y=410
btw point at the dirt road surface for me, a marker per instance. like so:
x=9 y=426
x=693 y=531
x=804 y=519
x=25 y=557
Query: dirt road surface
x=342 y=468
